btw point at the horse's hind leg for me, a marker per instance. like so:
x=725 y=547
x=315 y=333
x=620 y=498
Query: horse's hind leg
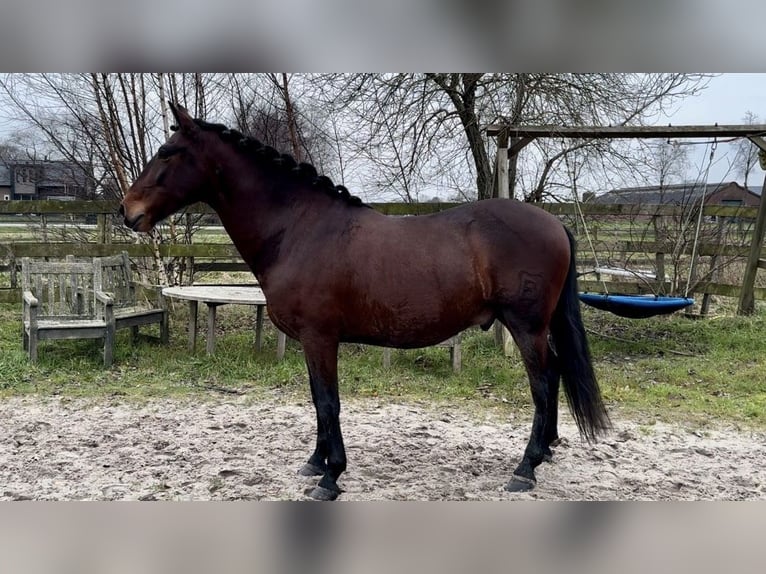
x=543 y=381
x=553 y=379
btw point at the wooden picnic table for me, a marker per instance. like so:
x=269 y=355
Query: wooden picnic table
x=216 y=295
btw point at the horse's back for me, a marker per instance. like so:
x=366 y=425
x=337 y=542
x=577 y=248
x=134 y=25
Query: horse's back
x=481 y=247
x=516 y=232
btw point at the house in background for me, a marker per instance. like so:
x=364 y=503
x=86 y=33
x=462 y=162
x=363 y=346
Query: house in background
x=54 y=180
x=729 y=194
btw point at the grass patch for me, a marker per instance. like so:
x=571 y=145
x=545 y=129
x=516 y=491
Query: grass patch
x=674 y=366
x=661 y=368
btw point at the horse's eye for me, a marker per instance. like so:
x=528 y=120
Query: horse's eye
x=167 y=151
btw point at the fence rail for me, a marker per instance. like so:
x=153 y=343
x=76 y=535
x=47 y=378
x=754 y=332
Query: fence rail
x=209 y=257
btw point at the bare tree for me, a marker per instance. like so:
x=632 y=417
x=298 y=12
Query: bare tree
x=274 y=109
x=113 y=122
x=442 y=116
x=746 y=156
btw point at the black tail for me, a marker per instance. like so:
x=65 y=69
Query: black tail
x=568 y=332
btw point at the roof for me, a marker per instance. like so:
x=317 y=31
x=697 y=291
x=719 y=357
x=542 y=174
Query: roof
x=677 y=194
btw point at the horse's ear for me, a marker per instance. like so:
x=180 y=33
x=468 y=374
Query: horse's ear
x=184 y=121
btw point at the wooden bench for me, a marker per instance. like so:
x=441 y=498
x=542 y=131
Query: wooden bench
x=113 y=276
x=59 y=301
x=453 y=343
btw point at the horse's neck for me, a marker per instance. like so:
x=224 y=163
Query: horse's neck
x=259 y=225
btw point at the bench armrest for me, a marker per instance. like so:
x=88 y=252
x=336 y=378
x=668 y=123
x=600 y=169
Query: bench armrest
x=30 y=299
x=103 y=298
x=30 y=309
x=161 y=302
x=106 y=307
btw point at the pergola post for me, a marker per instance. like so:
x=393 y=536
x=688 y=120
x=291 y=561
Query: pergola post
x=747 y=295
x=502 y=335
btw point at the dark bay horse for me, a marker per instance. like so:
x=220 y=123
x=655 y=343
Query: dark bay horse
x=333 y=270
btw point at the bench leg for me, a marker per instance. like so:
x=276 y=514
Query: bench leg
x=133 y=335
x=109 y=347
x=164 y=331
x=33 y=347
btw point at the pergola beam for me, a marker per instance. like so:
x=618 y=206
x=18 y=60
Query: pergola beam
x=614 y=132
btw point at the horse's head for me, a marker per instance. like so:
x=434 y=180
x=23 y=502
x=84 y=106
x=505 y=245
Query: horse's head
x=175 y=177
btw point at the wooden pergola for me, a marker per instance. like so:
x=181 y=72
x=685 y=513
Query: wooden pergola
x=511 y=139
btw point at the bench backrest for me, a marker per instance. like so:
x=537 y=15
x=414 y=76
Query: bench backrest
x=64 y=289
x=113 y=276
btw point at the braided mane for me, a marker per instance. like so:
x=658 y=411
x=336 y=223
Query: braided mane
x=269 y=157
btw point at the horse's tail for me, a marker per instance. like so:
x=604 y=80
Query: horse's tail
x=571 y=344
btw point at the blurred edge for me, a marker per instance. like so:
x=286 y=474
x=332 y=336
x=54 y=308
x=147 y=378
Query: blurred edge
x=536 y=35
x=381 y=537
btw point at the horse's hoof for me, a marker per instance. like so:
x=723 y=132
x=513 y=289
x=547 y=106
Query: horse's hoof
x=520 y=484
x=309 y=469
x=322 y=493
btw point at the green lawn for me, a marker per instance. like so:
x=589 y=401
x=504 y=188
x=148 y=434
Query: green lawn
x=663 y=368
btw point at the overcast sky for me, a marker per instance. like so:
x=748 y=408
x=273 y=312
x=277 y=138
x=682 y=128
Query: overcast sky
x=726 y=100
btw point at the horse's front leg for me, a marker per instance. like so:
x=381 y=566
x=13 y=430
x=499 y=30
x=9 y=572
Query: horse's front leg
x=329 y=457
x=317 y=462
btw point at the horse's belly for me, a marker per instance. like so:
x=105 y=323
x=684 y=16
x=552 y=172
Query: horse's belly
x=411 y=329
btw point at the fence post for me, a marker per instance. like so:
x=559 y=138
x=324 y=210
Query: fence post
x=714 y=271
x=659 y=263
x=104 y=224
x=14 y=273
x=189 y=260
x=101 y=222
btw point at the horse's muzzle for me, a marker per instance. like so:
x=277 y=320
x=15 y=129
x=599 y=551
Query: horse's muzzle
x=133 y=222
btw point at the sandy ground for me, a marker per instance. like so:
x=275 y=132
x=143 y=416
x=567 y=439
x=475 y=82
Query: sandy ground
x=234 y=448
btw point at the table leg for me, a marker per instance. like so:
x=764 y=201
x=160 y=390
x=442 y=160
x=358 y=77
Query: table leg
x=192 y=325
x=281 y=344
x=211 y=310
x=386 y=357
x=258 y=327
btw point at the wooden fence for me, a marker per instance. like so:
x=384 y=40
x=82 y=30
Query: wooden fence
x=623 y=230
